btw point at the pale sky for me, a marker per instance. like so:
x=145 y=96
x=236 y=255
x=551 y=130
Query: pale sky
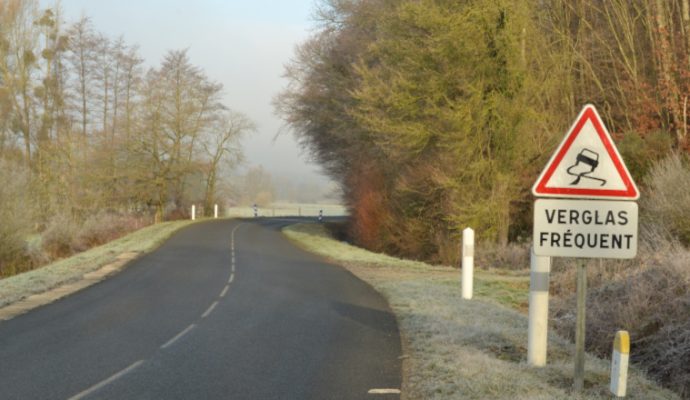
x=242 y=44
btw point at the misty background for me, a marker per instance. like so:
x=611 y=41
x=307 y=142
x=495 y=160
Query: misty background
x=243 y=45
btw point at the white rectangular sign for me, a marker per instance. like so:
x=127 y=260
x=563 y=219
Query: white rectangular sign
x=585 y=228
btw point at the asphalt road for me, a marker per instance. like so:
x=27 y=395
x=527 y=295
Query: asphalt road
x=223 y=310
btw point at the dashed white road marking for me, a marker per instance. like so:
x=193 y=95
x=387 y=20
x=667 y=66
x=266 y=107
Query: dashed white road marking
x=384 y=391
x=210 y=310
x=232 y=234
x=178 y=336
x=108 y=381
x=232 y=248
x=170 y=342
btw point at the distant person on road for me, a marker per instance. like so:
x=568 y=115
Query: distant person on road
x=320 y=215
x=256 y=210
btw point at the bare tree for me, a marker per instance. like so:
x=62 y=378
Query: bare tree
x=220 y=144
x=82 y=58
x=189 y=105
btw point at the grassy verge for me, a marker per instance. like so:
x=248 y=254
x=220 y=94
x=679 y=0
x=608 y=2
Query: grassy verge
x=459 y=349
x=71 y=269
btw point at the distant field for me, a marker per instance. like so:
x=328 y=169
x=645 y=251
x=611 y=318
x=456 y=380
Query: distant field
x=289 y=210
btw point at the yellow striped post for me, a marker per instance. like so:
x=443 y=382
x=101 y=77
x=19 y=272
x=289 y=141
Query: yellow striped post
x=619 y=363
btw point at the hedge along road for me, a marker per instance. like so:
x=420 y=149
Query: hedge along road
x=223 y=310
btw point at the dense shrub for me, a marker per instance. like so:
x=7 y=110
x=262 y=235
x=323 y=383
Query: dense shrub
x=665 y=204
x=648 y=296
x=513 y=256
x=104 y=227
x=59 y=237
x=15 y=217
x=65 y=235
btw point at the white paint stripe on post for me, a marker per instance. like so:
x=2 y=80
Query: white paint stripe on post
x=619 y=363
x=467 y=263
x=193 y=212
x=537 y=331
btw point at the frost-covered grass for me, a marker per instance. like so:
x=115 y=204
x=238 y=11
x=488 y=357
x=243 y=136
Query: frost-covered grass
x=71 y=269
x=459 y=349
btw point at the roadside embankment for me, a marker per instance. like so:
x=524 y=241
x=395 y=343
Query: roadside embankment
x=460 y=349
x=58 y=279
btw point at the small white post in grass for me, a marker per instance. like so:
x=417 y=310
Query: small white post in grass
x=215 y=211
x=193 y=212
x=538 y=320
x=467 y=262
x=619 y=363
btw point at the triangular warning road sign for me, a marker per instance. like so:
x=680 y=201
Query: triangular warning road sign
x=586 y=164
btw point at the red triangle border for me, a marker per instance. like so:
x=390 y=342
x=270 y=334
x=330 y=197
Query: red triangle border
x=589 y=113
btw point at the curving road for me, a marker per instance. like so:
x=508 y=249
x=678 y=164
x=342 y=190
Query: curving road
x=223 y=310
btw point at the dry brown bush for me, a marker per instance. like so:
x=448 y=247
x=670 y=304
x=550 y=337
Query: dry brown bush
x=65 y=236
x=666 y=200
x=648 y=296
x=668 y=355
x=514 y=256
x=104 y=227
x=58 y=238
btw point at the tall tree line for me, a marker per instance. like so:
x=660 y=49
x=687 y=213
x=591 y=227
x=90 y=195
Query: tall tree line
x=435 y=114
x=94 y=129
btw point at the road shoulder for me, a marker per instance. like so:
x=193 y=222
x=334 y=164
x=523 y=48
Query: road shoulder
x=459 y=349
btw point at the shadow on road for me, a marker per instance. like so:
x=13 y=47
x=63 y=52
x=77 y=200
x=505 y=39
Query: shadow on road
x=382 y=321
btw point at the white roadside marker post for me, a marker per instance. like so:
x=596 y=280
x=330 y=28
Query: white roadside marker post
x=193 y=212
x=467 y=263
x=537 y=331
x=619 y=363
x=215 y=211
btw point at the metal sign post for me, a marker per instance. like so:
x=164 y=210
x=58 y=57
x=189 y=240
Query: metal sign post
x=579 y=383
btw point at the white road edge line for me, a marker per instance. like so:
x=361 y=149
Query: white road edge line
x=225 y=291
x=232 y=278
x=108 y=381
x=178 y=336
x=384 y=391
x=210 y=310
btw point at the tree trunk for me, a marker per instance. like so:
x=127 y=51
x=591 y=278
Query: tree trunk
x=668 y=83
